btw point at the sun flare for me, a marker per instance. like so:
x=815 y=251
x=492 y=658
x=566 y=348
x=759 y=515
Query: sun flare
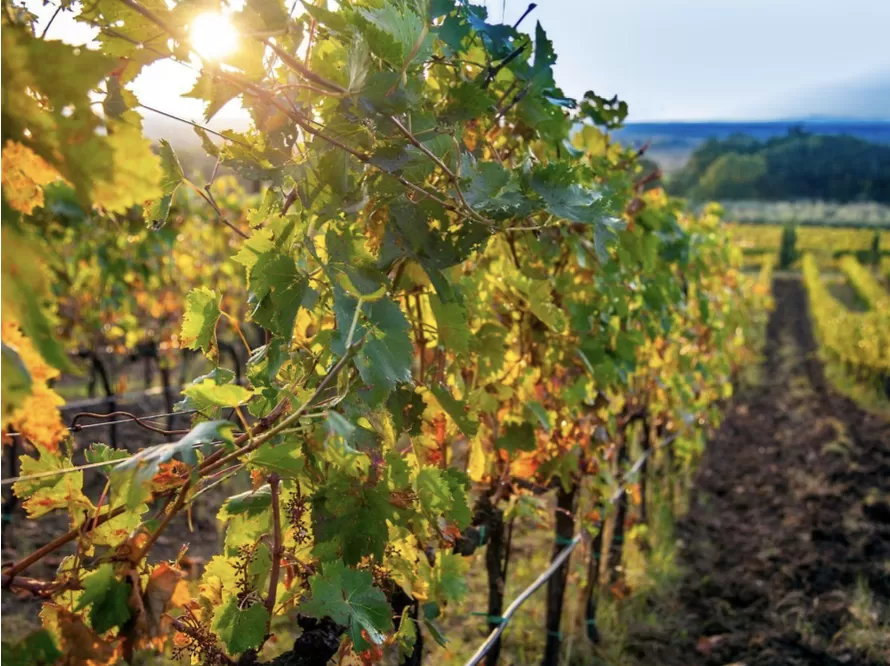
x=213 y=36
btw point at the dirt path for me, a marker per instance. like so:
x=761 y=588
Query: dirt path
x=788 y=517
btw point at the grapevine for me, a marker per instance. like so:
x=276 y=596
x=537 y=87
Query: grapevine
x=466 y=292
x=857 y=340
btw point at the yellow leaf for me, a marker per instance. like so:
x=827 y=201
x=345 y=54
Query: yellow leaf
x=477 y=464
x=24 y=173
x=37 y=418
x=136 y=175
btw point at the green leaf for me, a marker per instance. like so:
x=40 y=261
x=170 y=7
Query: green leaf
x=240 y=629
x=16 y=381
x=401 y=36
x=170 y=182
x=406 y=407
x=215 y=90
x=448 y=580
x=250 y=502
x=35 y=649
x=602 y=111
x=346 y=518
x=285 y=458
x=349 y=598
x=435 y=631
x=218 y=376
x=406 y=636
x=209 y=392
x=107 y=598
x=452 y=326
x=102 y=453
x=558 y=186
x=58 y=491
x=259 y=243
x=517 y=437
x=545 y=58
x=467 y=101
x=442 y=494
x=273 y=13
x=25 y=288
x=384 y=359
x=458 y=485
x=539 y=412
x=134 y=474
x=278 y=289
x=494 y=192
x=456 y=409
x=199 y=323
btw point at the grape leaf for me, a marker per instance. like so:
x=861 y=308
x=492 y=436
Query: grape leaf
x=259 y=243
x=240 y=629
x=107 y=598
x=218 y=376
x=385 y=357
x=456 y=409
x=442 y=493
x=401 y=36
x=16 y=381
x=25 y=287
x=60 y=491
x=35 y=649
x=208 y=392
x=467 y=101
x=494 y=192
x=452 y=326
x=448 y=580
x=249 y=502
x=558 y=186
x=278 y=289
x=406 y=636
x=347 y=516
x=349 y=598
x=133 y=475
x=170 y=182
x=199 y=322
x=285 y=458
x=517 y=437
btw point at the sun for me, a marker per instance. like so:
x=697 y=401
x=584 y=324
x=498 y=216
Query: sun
x=213 y=36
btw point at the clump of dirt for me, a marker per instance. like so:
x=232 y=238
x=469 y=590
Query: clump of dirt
x=789 y=516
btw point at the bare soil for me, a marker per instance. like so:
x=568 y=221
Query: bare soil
x=790 y=511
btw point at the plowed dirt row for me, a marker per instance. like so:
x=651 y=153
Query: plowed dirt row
x=786 y=546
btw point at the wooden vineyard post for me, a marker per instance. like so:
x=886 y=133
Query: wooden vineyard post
x=565 y=528
x=496 y=555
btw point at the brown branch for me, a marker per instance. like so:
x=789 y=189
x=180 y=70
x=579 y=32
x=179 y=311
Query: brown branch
x=154 y=18
x=289 y=200
x=177 y=505
x=211 y=464
x=455 y=181
x=277 y=547
x=208 y=197
x=40 y=588
x=493 y=71
x=50 y=22
x=253 y=442
x=57 y=543
x=302 y=70
x=75 y=427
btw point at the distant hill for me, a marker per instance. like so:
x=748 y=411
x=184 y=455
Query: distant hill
x=864 y=98
x=672 y=143
x=798 y=165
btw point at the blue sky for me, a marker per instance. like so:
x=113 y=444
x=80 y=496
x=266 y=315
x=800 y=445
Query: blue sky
x=720 y=59
x=679 y=59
